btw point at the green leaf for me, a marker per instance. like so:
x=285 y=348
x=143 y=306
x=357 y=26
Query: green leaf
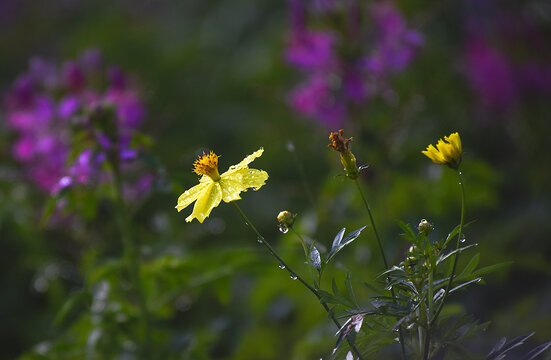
x=315 y=258
x=469 y=268
x=492 y=268
x=456 y=251
x=409 y=233
x=339 y=242
x=477 y=280
x=455 y=231
x=73 y=308
x=350 y=289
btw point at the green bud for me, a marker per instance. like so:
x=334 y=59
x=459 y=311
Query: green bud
x=425 y=227
x=286 y=218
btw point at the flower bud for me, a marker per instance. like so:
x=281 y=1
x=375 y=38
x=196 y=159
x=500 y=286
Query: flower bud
x=286 y=219
x=348 y=160
x=425 y=227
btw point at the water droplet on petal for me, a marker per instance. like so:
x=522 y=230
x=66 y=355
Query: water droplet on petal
x=281 y=266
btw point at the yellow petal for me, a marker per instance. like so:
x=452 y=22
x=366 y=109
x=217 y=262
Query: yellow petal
x=208 y=199
x=192 y=194
x=231 y=186
x=455 y=141
x=246 y=161
x=235 y=182
x=434 y=155
x=253 y=178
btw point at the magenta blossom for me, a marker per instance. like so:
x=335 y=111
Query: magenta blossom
x=49 y=103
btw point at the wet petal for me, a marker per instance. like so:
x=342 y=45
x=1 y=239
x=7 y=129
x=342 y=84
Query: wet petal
x=191 y=195
x=208 y=199
x=246 y=161
x=237 y=181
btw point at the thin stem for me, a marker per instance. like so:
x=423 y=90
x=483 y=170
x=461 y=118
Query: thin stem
x=456 y=256
x=317 y=282
x=132 y=256
x=368 y=208
x=295 y=275
x=302 y=174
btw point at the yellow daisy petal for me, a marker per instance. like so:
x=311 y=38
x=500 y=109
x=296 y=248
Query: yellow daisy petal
x=208 y=199
x=447 y=151
x=238 y=181
x=246 y=161
x=191 y=195
x=231 y=187
x=213 y=187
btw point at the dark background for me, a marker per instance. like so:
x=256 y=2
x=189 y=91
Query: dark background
x=214 y=77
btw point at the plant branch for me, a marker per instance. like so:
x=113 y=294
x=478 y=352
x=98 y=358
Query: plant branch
x=294 y=274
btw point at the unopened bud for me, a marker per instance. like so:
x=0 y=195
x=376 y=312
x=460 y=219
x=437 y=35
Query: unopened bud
x=286 y=218
x=425 y=227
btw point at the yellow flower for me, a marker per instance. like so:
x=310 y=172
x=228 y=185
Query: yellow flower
x=214 y=187
x=447 y=151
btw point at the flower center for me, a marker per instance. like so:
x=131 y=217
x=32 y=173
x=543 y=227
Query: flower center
x=207 y=165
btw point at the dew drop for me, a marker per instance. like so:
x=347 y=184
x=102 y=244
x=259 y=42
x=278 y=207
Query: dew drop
x=255 y=189
x=283 y=229
x=463 y=239
x=290 y=146
x=260 y=241
x=281 y=266
x=293 y=277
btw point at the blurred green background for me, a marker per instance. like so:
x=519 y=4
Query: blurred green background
x=214 y=77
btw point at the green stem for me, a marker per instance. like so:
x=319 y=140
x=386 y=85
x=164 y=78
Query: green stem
x=132 y=256
x=317 y=282
x=293 y=274
x=368 y=208
x=456 y=256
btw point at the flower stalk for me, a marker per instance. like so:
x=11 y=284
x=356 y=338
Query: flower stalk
x=132 y=258
x=295 y=275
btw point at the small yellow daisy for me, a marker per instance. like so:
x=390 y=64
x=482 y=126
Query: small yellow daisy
x=447 y=151
x=213 y=187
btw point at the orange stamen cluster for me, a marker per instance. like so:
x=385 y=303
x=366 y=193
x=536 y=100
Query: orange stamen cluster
x=207 y=165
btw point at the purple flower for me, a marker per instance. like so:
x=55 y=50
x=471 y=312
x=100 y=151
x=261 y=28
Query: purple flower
x=342 y=68
x=316 y=99
x=43 y=101
x=311 y=50
x=490 y=75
